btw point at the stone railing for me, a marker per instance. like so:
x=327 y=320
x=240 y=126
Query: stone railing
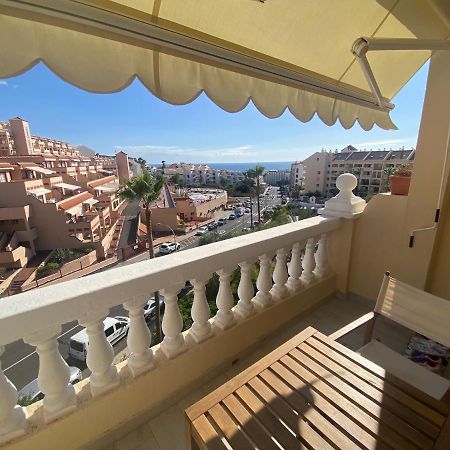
x=37 y=316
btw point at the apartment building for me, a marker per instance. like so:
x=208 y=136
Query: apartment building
x=272 y=177
x=201 y=174
x=297 y=175
x=322 y=168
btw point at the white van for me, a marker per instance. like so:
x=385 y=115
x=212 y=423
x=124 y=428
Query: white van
x=115 y=329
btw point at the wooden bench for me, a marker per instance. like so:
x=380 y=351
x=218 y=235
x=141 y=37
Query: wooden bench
x=312 y=392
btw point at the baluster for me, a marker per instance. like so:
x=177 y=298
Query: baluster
x=12 y=416
x=308 y=262
x=295 y=268
x=54 y=374
x=100 y=355
x=245 y=291
x=321 y=257
x=139 y=338
x=200 y=312
x=280 y=275
x=172 y=324
x=224 y=300
x=264 y=282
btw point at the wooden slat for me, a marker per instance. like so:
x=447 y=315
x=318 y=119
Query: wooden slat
x=362 y=401
x=270 y=421
x=388 y=403
x=439 y=406
x=296 y=423
x=249 y=424
x=443 y=441
x=387 y=388
x=356 y=422
x=208 y=435
x=351 y=326
x=226 y=389
x=312 y=416
x=225 y=423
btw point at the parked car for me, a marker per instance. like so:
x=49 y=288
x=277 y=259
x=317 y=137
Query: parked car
x=232 y=217
x=169 y=247
x=31 y=392
x=212 y=226
x=221 y=222
x=150 y=306
x=201 y=231
x=116 y=328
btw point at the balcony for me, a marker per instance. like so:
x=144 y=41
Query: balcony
x=284 y=290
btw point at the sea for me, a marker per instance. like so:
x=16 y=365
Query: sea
x=242 y=167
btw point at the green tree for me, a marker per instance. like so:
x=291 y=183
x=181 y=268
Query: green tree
x=146 y=189
x=142 y=162
x=223 y=183
x=176 y=179
x=255 y=174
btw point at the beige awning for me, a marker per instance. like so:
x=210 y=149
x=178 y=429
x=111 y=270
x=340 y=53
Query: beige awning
x=69 y=187
x=39 y=169
x=38 y=192
x=90 y=201
x=281 y=54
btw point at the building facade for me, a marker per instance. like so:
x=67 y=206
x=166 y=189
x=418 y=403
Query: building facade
x=273 y=177
x=369 y=166
x=297 y=175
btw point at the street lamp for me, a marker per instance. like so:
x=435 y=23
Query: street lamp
x=170 y=228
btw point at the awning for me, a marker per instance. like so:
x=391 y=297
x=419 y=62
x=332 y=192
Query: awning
x=39 y=169
x=90 y=201
x=75 y=210
x=39 y=192
x=281 y=54
x=69 y=187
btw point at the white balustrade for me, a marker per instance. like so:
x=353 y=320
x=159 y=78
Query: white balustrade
x=172 y=324
x=295 y=268
x=308 y=262
x=224 y=300
x=139 y=337
x=12 y=416
x=54 y=374
x=246 y=292
x=280 y=275
x=200 y=312
x=264 y=282
x=321 y=257
x=100 y=355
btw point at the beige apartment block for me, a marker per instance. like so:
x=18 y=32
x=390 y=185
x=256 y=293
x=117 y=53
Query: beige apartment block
x=315 y=170
x=297 y=175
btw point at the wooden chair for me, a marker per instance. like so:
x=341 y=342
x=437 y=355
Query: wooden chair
x=417 y=310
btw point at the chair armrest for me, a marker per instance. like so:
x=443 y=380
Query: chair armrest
x=352 y=326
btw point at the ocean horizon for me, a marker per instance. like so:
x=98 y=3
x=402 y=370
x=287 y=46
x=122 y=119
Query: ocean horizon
x=244 y=166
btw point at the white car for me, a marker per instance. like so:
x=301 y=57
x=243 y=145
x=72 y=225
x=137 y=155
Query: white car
x=116 y=328
x=150 y=306
x=31 y=392
x=169 y=247
x=201 y=231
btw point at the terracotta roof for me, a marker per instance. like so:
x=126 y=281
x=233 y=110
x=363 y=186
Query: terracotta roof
x=101 y=181
x=74 y=200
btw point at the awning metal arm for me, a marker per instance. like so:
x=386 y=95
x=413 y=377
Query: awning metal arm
x=364 y=44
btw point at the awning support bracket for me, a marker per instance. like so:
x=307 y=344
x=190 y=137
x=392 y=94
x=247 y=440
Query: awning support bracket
x=363 y=45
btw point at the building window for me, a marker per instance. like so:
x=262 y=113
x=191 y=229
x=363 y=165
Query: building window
x=318 y=172
x=2 y=177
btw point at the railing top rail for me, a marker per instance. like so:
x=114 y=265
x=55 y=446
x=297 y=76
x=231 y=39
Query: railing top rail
x=34 y=310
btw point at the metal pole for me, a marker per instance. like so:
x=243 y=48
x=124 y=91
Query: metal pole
x=170 y=228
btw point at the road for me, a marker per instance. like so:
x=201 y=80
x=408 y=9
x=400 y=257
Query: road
x=20 y=362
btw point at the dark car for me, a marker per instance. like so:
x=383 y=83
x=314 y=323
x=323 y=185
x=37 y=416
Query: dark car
x=212 y=226
x=221 y=222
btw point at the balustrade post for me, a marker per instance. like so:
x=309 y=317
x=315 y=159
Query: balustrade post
x=172 y=324
x=321 y=257
x=139 y=338
x=246 y=292
x=12 y=416
x=200 y=312
x=308 y=262
x=54 y=374
x=224 y=300
x=295 y=268
x=280 y=275
x=264 y=282
x=100 y=355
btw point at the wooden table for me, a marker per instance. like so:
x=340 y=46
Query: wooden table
x=312 y=392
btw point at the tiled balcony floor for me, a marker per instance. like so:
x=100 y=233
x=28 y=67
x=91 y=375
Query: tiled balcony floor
x=166 y=431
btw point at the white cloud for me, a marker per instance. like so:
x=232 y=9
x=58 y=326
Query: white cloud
x=403 y=141
x=3 y=83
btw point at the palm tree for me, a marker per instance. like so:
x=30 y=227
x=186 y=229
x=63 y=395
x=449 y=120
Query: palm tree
x=256 y=173
x=146 y=189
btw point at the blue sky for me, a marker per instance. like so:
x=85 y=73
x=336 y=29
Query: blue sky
x=145 y=126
